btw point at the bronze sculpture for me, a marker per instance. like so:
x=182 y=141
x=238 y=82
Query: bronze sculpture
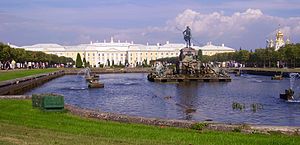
x=187 y=36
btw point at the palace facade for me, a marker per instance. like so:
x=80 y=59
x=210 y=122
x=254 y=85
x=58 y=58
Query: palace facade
x=109 y=53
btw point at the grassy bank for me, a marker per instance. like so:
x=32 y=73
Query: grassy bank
x=20 y=124
x=13 y=74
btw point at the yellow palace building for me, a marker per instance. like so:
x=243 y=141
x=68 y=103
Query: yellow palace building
x=121 y=52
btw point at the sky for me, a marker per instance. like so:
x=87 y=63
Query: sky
x=238 y=24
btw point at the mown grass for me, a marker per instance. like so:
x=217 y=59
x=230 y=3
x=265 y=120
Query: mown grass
x=13 y=74
x=21 y=124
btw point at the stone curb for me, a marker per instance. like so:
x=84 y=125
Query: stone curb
x=16 y=97
x=128 y=119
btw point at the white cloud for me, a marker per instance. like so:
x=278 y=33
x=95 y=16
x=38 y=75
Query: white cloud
x=249 y=28
x=216 y=24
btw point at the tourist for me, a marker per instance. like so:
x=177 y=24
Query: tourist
x=7 y=65
x=29 y=65
x=1 y=65
x=13 y=64
x=18 y=65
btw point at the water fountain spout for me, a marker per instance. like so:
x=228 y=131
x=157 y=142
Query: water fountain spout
x=293 y=77
x=289 y=93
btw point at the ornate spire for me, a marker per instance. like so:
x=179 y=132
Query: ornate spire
x=288 y=41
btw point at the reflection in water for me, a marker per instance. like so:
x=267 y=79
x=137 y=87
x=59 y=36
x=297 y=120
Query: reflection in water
x=132 y=94
x=187 y=94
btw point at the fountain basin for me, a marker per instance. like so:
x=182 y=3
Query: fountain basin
x=132 y=94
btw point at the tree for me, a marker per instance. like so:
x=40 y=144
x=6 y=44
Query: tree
x=243 y=56
x=145 y=63
x=173 y=60
x=108 y=62
x=21 y=55
x=78 y=61
x=6 y=54
x=84 y=62
x=200 y=55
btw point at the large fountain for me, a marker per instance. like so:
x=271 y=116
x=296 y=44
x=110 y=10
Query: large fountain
x=189 y=68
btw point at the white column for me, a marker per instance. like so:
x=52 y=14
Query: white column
x=105 y=58
x=124 y=58
x=97 y=59
x=129 y=57
x=139 y=57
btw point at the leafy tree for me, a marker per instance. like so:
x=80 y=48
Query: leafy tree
x=78 y=61
x=108 y=62
x=20 y=55
x=243 y=56
x=84 y=62
x=200 y=55
x=173 y=60
x=6 y=54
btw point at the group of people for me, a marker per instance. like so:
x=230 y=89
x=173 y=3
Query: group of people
x=27 y=65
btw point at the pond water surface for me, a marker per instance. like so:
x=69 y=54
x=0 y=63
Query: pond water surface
x=133 y=94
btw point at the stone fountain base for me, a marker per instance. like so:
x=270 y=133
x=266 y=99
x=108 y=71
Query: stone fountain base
x=188 y=79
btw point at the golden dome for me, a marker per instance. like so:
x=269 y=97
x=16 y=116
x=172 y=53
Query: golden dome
x=279 y=33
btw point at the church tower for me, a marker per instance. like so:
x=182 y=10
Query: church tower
x=279 y=42
x=288 y=41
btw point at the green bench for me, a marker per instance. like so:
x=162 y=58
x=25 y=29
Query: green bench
x=48 y=102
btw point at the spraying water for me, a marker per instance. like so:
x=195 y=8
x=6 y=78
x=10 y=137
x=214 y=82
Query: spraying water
x=293 y=77
x=85 y=71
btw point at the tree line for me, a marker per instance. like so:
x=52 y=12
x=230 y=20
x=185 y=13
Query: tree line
x=287 y=56
x=7 y=54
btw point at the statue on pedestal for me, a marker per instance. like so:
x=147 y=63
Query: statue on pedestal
x=187 y=68
x=187 y=36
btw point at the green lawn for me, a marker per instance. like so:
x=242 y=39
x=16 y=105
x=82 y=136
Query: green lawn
x=13 y=74
x=21 y=124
